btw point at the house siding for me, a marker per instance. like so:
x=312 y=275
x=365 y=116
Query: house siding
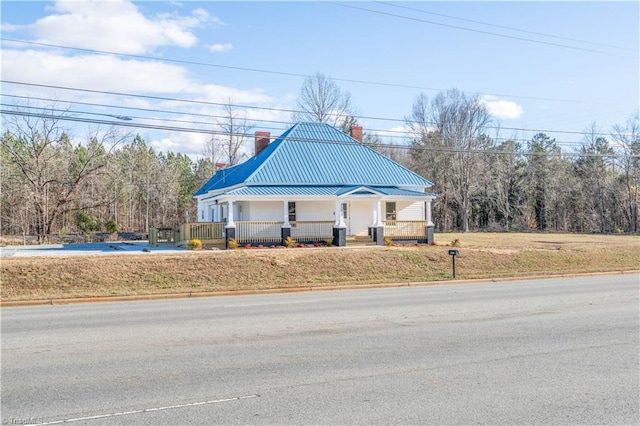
x=408 y=210
x=266 y=211
x=315 y=210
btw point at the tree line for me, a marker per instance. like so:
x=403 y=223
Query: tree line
x=54 y=184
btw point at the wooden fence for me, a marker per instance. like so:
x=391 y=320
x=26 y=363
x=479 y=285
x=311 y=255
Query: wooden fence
x=207 y=232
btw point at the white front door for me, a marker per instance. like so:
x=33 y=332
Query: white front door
x=360 y=217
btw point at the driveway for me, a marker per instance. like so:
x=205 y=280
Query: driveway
x=88 y=249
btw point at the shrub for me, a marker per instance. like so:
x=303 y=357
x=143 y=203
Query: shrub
x=62 y=234
x=86 y=223
x=232 y=244
x=328 y=242
x=388 y=241
x=195 y=244
x=112 y=226
x=290 y=242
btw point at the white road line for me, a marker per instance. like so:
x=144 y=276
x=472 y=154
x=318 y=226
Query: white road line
x=149 y=410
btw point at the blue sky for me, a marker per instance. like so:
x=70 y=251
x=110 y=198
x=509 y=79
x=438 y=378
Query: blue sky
x=559 y=67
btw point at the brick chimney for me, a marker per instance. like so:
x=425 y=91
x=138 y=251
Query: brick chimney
x=262 y=140
x=356 y=133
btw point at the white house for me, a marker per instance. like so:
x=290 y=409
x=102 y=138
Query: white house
x=314 y=183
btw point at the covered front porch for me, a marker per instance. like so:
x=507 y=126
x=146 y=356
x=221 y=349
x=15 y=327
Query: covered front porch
x=271 y=233
x=360 y=213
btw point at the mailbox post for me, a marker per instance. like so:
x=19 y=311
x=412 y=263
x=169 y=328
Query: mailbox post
x=453 y=254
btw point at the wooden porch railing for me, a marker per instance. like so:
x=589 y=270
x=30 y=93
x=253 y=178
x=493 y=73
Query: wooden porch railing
x=405 y=228
x=259 y=232
x=207 y=232
x=312 y=230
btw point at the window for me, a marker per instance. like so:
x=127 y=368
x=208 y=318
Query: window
x=345 y=211
x=390 y=210
x=292 y=211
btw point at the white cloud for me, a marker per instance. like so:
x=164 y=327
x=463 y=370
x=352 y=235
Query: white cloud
x=96 y=72
x=115 y=26
x=222 y=94
x=120 y=26
x=220 y=48
x=502 y=109
x=396 y=133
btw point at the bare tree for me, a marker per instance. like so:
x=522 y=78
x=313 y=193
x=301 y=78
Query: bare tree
x=627 y=140
x=458 y=123
x=321 y=100
x=593 y=169
x=50 y=167
x=227 y=146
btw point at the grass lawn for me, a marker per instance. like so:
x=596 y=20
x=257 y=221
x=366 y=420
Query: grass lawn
x=482 y=255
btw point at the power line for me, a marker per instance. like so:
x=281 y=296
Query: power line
x=396 y=134
x=390 y=146
x=163 y=111
x=161 y=98
x=505 y=27
x=347 y=80
x=469 y=29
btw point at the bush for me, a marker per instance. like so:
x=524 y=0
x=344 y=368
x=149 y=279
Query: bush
x=328 y=242
x=86 y=222
x=195 y=244
x=232 y=244
x=112 y=226
x=290 y=242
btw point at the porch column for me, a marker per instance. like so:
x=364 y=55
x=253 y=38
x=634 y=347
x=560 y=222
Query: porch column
x=339 y=228
x=285 y=232
x=231 y=225
x=378 y=225
x=374 y=214
x=339 y=219
x=430 y=225
x=230 y=222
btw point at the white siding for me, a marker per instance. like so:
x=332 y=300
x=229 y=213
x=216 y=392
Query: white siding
x=315 y=210
x=408 y=210
x=242 y=210
x=265 y=211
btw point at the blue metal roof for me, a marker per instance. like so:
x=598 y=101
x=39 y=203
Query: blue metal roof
x=323 y=190
x=316 y=154
x=285 y=190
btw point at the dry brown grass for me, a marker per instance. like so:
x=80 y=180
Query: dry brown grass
x=481 y=256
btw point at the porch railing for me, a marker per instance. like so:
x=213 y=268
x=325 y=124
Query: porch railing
x=259 y=232
x=405 y=228
x=207 y=232
x=312 y=230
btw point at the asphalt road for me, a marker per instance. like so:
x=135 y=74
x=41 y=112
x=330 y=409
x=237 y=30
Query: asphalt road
x=557 y=351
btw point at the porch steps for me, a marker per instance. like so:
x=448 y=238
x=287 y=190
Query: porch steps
x=360 y=241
